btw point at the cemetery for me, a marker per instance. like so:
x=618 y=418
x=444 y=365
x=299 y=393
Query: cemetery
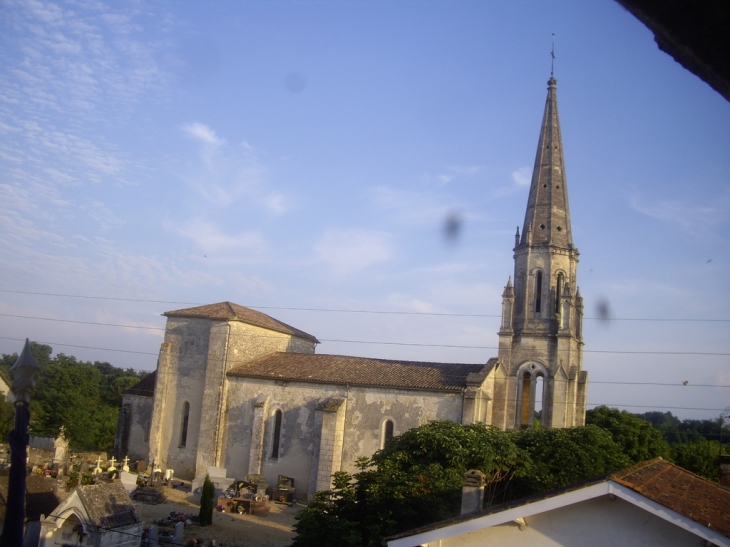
x=88 y=498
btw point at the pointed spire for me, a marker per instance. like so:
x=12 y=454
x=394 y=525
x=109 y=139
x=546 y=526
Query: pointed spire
x=548 y=214
x=509 y=290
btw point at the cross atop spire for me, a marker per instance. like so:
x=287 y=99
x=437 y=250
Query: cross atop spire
x=547 y=219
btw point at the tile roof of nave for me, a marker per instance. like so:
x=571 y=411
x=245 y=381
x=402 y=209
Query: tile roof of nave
x=360 y=371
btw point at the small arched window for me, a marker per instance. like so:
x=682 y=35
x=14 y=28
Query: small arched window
x=277 y=434
x=387 y=432
x=184 y=424
x=538 y=292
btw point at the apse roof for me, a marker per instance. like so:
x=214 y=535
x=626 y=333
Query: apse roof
x=228 y=311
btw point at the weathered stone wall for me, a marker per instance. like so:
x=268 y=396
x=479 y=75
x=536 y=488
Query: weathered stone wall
x=369 y=408
x=180 y=378
x=366 y=411
x=140 y=421
x=193 y=361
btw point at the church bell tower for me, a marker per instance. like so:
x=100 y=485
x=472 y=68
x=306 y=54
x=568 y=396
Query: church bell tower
x=541 y=338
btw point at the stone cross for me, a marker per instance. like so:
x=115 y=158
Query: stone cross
x=97 y=469
x=125 y=467
x=111 y=465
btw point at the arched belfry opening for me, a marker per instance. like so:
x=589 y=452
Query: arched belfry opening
x=530 y=395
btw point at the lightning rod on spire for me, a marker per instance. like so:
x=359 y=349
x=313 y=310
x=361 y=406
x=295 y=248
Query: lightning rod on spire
x=552 y=61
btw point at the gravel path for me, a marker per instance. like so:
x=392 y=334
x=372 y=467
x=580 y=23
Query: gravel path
x=228 y=529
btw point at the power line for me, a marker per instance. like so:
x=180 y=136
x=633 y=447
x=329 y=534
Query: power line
x=83 y=347
x=336 y=310
x=80 y=322
x=410 y=344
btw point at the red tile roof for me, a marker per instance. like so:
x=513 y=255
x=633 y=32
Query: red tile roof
x=359 y=371
x=228 y=311
x=680 y=490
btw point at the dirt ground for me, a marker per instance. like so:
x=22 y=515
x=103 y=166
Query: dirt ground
x=228 y=529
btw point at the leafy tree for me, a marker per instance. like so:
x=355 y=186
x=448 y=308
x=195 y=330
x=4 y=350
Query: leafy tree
x=415 y=480
x=559 y=457
x=84 y=397
x=638 y=439
x=205 y=516
x=7 y=418
x=701 y=457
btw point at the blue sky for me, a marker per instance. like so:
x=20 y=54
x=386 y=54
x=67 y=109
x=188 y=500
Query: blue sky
x=306 y=155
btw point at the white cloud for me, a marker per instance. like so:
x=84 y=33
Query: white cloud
x=204 y=133
x=417 y=208
x=348 y=252
x=695 y=219
x=522 y=176
x=452 y=173
x=209 y=237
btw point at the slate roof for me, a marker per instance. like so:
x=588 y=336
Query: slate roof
x=145 y=387
x=359 y=371
x=40 y=496
x=681 y=491
x=228 y=311
x=108 y=505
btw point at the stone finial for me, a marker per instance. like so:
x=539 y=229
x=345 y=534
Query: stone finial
x=23 y=371
x=474 y=478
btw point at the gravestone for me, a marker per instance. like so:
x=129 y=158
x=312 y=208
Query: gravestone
x=125 y=467
x=84 y=468
x=217 y=477
x=111 y=466
x=153 y=536
x=141 y=466
x=129 y=481
x=178 y=539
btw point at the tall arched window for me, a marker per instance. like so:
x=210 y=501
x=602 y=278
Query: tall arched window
x=277 y=434
x=526 y=409
x=387 y=433
x=538 y=292
x=184 y=424
x=539 y=395
x=558 y=292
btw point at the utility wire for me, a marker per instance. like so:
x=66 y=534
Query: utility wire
x=383 y=312
x=411 y=344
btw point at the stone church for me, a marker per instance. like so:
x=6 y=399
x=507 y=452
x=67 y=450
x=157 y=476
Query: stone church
x=238 y=389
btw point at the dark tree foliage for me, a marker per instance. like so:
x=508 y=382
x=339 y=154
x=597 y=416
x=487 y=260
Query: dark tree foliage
x=636 y=437
x=675 y=430
x=205 y=516
x=560 y=457
x=701 y=457
x=7 y=418
x=83 y=397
